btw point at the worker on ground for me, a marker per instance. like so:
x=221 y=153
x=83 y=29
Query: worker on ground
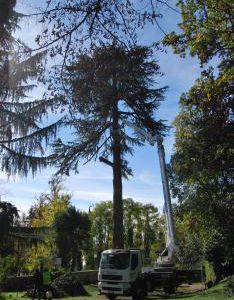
x=37 y=278
x=47 y=284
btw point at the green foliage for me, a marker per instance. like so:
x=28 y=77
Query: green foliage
x=50 y=204
x=190 y=240
x=7 y=267
x=43 y=214
x=72 y=233
x=8 y=215
x=203 y=172
x=202 y=165
x=230 y=285
x=209 y=272
x=101 y=232
x=142 y=225
x=207 y=29
x=143 y=228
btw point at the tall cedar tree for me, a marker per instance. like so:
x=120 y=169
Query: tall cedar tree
x=20 y=134
x=108 y=88
x=73 y=27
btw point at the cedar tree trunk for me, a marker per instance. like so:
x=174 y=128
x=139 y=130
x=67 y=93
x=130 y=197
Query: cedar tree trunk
x=118 y=240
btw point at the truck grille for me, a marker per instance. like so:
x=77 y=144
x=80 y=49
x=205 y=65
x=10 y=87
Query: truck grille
x=112 y=277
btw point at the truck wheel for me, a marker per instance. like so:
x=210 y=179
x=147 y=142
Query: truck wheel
x=111 y=297
x=169 y=289
x=139 y=293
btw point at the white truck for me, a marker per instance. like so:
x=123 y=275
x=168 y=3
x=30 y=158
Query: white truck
x=121 y=272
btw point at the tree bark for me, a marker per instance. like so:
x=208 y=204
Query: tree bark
x=118 y=236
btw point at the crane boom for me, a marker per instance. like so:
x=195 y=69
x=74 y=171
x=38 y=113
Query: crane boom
x=168 y=255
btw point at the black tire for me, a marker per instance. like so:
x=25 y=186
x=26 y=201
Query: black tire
x=169 y=289
x=139 y=293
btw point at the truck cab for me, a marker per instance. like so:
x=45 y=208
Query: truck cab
x=119 y=272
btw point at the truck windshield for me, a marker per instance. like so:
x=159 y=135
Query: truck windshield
x=115 y=260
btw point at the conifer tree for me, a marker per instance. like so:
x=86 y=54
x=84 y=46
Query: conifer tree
x=109 y=88
x=21 y=137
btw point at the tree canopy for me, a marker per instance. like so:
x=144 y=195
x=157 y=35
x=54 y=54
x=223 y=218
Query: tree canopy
x=207 y=29
x=81 y=24
x=143 y=228
x=43 y=214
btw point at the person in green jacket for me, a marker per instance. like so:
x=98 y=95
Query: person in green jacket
x=46 y=280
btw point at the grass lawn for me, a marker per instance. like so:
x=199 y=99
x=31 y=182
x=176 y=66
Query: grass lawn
x=216 y=293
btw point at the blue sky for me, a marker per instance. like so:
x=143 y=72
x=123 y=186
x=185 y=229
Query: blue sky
x=94 y=181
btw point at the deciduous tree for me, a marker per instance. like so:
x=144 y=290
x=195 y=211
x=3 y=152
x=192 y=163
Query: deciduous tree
x=42 y=215
x=206 y=29
x=203 y=158
x=142 y=228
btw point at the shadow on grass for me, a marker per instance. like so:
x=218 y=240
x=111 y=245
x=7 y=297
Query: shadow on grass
x=179 y=294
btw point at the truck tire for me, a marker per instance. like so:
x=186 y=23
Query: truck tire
x=169 y=289
x=139 y=293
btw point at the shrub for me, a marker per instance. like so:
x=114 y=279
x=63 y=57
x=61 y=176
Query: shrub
x=68 y=285
x=230 y=285
x=2 y=297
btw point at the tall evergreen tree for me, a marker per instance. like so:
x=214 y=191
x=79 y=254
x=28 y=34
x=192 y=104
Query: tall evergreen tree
x=8 y=215
x=109 y=88
x=21 y=137
x=72 y=235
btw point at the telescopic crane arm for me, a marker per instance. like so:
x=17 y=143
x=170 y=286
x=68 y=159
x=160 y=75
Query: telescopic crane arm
x=166 y=258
